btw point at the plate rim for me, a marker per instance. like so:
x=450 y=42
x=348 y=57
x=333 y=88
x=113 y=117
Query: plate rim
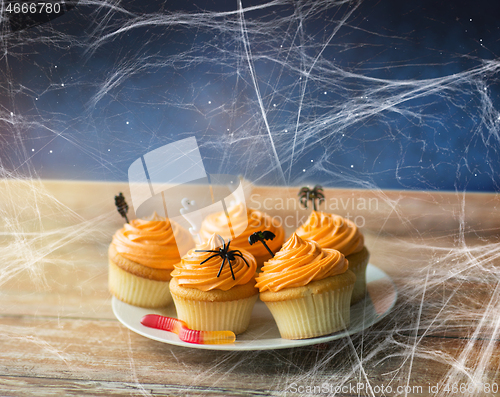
x=246 y=345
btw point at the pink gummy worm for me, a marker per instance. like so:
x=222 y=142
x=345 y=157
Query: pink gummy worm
x=186 y=334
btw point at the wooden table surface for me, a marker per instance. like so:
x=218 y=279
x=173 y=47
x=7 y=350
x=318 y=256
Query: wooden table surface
x=60 y=337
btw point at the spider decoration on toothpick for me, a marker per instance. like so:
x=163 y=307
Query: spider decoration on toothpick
x=262 y=236
x=225 y=254
x=121 y=205
x=314 y=194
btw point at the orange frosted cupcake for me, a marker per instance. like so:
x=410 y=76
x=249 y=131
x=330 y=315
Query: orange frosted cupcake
x=307 y=289
x=244 y=222
x=215 y=291
x=141 y=257
x=335 y=232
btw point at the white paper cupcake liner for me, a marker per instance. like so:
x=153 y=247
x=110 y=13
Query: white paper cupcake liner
x=138 y=291
x=359 y=269
x=215 y=316
x=313 y=315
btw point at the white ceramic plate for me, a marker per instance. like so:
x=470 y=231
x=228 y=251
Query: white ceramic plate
x=263 y=334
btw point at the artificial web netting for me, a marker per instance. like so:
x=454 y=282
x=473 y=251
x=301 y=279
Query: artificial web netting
x=351 y=94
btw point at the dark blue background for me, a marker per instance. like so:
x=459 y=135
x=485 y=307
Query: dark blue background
x=404 y=95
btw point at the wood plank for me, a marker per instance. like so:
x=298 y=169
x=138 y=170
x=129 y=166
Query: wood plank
x=104 y=351
x=60 y=335
x=48 y=204
x=29 y=386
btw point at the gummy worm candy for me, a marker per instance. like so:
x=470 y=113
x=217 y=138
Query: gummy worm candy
x=186 y=334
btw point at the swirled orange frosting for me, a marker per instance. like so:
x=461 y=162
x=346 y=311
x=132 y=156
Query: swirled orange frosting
x=154 y=242
x=239 y=216
x=332 y=231
x=298 y=263
x=190 y=273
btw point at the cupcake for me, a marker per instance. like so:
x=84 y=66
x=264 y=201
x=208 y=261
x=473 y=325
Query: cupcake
x=213 y=287
x=244 y=222
x=142 y=255
x=307 y=289
x=333 y=231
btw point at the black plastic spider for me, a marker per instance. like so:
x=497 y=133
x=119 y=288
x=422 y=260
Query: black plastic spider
x=224 y=253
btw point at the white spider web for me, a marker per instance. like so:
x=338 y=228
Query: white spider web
x=274 y=92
